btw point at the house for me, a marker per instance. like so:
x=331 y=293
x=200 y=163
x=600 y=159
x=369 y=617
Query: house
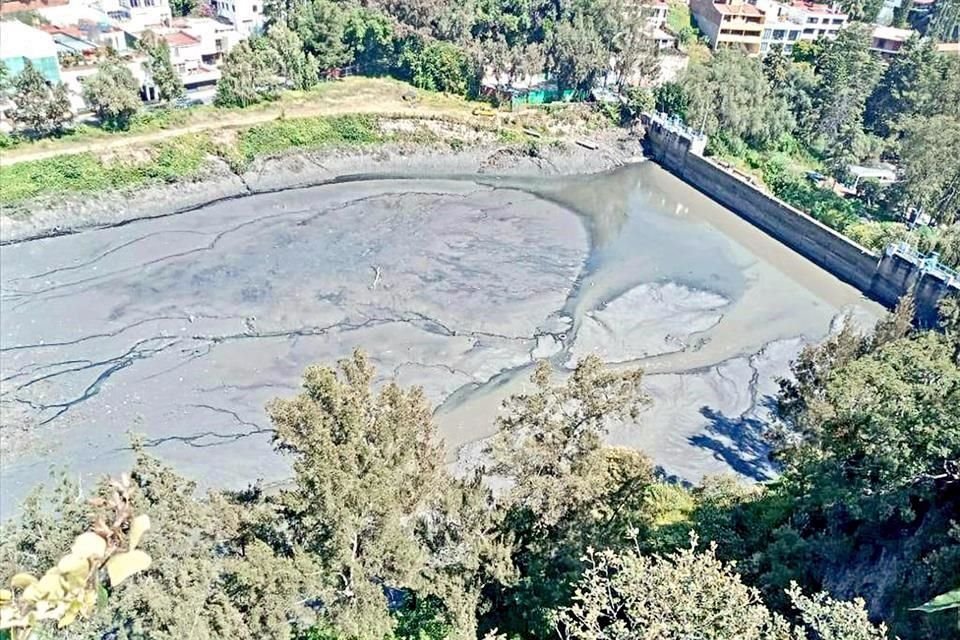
x=20 y=42
x=216 y=38
x=655 y=13
x=816 y=20
x=887 y=41
x=779 y=32
x=246 y=15
x=729 y=23
x=663 y=39
x=136 y=16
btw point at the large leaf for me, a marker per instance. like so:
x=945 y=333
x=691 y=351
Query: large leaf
x=949 y=600
x=138 y=527
x=123 y=565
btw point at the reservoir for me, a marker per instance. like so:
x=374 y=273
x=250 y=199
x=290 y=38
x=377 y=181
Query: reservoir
x=181 y=328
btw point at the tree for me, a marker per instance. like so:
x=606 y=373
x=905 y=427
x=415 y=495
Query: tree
x=874 y=424
x=635 y=51
x=671 y=99
x=369 y=36
x=440 y=66
x=568 y=491
x=183 y=7
x=731 y=95
x=320 y=25
x=578 y=51
x=4 y=80
x=113 y=93
x=370 y=499
x=686 y=594
x=918 y=82
x=39 y=107
x=159 y=68
x=776 y=67
x=299 y=68
x=848 y=72
x=862 y=10
x=930 y=178
x=248 y=76
x=945 y=24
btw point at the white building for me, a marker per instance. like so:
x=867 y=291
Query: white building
x=216 y=38
x=887 y=41
x=817 y=20
x=246 y=15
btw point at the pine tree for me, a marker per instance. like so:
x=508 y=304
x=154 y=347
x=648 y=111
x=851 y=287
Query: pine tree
x=39 y=107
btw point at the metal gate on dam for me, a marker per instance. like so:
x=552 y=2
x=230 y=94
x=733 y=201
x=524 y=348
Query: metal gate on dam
x=883 y=277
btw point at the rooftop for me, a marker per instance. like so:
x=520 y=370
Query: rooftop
x=891 y=33
x=813 y=7
x=180 y=39
x=742 y=9
x=18 y=40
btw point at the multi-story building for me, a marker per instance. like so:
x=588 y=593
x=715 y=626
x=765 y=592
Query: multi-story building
x=246 y=15
x=216 y=37
x=817 y=20
x=730 y=23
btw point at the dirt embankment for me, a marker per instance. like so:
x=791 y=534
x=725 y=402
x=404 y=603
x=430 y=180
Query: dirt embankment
x=449 y=154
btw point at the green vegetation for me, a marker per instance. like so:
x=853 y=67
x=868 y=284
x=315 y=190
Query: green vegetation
x=178 y=158
x=282 y=135
x=374 y=538
x=112 y=93
x=833 y=105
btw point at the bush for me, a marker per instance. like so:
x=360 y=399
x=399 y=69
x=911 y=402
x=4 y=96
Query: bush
x=300 y=133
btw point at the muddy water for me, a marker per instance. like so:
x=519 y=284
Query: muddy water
x=181 y=328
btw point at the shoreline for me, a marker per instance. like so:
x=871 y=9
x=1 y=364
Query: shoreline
x=66 y=214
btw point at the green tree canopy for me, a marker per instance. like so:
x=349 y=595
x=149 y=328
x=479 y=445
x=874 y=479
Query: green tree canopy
x=159 y=68
x=40 y=107
x=731 y=94
x=249 y=75
x=113 y=93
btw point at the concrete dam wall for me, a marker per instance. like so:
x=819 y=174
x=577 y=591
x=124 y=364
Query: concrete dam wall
x=883 y=277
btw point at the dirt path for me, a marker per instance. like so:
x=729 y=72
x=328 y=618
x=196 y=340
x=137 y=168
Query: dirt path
x=379 y=107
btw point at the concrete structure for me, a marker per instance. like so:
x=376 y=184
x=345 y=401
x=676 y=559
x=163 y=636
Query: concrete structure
x=779 y=33
x=20 y=42
x=885 y=278
x=655 y=13
x=887 y=41
x=729 y=23
x=136 y=16
x=216 y=37
x=817 y=20
x=246 y=15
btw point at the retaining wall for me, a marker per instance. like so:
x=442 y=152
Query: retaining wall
x=884 y=277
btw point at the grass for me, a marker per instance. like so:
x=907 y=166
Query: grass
x=313 y=132
x=354 y=94
x=171 y=160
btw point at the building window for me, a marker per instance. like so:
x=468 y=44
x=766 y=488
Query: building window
x=794 y=35
x=766 y=33
x=254 y=8
x=838 y=21
x=779 y=34
x=813 y=21
x=763 y=47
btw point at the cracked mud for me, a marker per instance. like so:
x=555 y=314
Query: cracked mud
x=181 y=328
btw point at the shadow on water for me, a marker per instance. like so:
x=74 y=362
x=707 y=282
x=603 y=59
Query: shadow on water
x=738 y=441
